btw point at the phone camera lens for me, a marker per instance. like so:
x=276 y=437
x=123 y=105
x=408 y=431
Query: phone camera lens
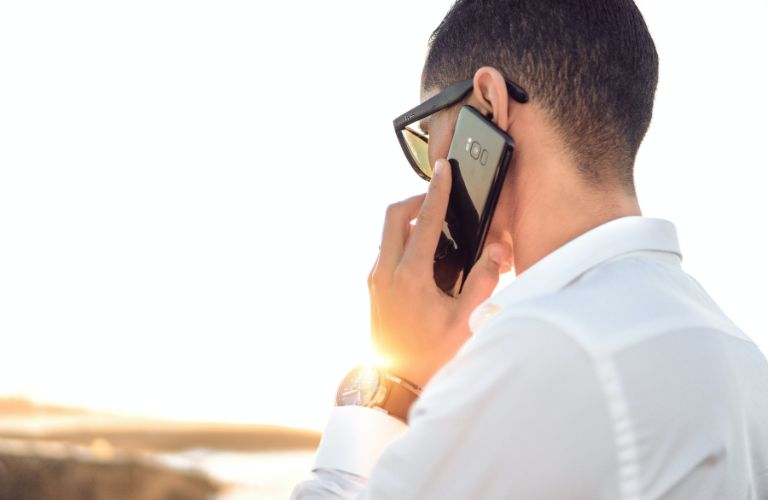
x=474 y=151
x=484 y=157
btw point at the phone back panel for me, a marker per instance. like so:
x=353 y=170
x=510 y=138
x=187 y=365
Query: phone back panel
x=479 y=154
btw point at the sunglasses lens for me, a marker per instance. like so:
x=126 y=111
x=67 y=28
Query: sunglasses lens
x=418 y=147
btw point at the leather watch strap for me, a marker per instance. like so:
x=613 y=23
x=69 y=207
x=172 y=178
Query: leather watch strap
x=400 y=396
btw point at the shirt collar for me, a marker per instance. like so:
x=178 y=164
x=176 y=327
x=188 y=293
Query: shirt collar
x=568 y=262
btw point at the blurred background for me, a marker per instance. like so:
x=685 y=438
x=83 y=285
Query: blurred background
x=191 y=198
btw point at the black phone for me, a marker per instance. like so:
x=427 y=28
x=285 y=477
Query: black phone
x=479 y=155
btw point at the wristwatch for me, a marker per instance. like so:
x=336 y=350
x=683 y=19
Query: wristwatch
x=376 y=388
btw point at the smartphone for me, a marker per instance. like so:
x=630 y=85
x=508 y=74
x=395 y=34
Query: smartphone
x=479 y=156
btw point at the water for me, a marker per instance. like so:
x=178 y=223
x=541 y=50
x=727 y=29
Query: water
x=252 y=476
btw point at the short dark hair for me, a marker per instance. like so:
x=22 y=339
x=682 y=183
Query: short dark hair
x=590 y=64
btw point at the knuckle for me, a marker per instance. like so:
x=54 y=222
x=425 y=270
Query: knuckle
x=394 y=209
x=399 y=279
x=426 y=217
x=375 y=280
x=405 y=279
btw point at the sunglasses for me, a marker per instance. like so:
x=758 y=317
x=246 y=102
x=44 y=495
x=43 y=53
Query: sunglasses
x=415 y=143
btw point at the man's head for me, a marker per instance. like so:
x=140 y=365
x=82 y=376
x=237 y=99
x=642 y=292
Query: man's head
x=591 y=65
x=590 y=69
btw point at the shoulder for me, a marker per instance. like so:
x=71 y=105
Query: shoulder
x=522 y=396
x=493 y=364
x=627 y=296
x=621 y=303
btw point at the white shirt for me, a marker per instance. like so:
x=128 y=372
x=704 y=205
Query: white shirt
x=604 y=371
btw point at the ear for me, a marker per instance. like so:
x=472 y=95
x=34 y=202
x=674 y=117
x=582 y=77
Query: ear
x=489 y=94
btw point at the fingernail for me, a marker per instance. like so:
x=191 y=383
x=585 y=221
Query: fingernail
x=439 y=166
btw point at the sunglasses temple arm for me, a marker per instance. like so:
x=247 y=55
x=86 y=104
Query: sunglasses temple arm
x=449 y=96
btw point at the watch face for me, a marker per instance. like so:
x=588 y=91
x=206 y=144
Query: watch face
x=358 y=387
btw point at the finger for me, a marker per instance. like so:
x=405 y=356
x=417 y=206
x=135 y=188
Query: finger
x=396 y=231
x=374 y=312
x=371 y=273
x=420 y=249
x=484 y=276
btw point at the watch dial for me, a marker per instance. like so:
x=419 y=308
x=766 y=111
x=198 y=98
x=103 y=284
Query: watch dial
x=358 y=387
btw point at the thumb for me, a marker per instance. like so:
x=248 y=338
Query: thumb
x=484 y=276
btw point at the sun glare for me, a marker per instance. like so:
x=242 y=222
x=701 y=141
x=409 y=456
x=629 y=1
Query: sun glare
x=180 y=241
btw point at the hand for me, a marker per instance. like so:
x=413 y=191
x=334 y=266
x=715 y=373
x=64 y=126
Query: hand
x=416 y=326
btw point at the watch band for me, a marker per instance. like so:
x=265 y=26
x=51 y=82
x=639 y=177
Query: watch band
x=400 y=396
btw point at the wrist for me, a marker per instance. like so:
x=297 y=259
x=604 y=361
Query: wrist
x=415 y=373
x=380 y=389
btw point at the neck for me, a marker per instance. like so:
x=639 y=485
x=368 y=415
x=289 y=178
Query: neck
x=553 y=217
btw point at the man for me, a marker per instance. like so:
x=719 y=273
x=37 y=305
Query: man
x=603 y=371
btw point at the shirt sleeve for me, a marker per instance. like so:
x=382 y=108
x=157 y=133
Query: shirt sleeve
x=352 y=442
x=329 y=483
x=518 y=413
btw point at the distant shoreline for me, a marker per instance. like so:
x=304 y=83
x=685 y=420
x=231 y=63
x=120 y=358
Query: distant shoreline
x=26 y=420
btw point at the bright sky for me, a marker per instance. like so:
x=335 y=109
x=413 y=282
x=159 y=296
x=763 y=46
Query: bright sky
x=191 y=192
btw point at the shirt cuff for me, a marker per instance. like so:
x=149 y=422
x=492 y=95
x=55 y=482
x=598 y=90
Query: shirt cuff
x=354 y=438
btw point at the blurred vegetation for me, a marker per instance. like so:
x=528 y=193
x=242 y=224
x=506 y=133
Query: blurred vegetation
x=60 y=478
x=59 y=453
